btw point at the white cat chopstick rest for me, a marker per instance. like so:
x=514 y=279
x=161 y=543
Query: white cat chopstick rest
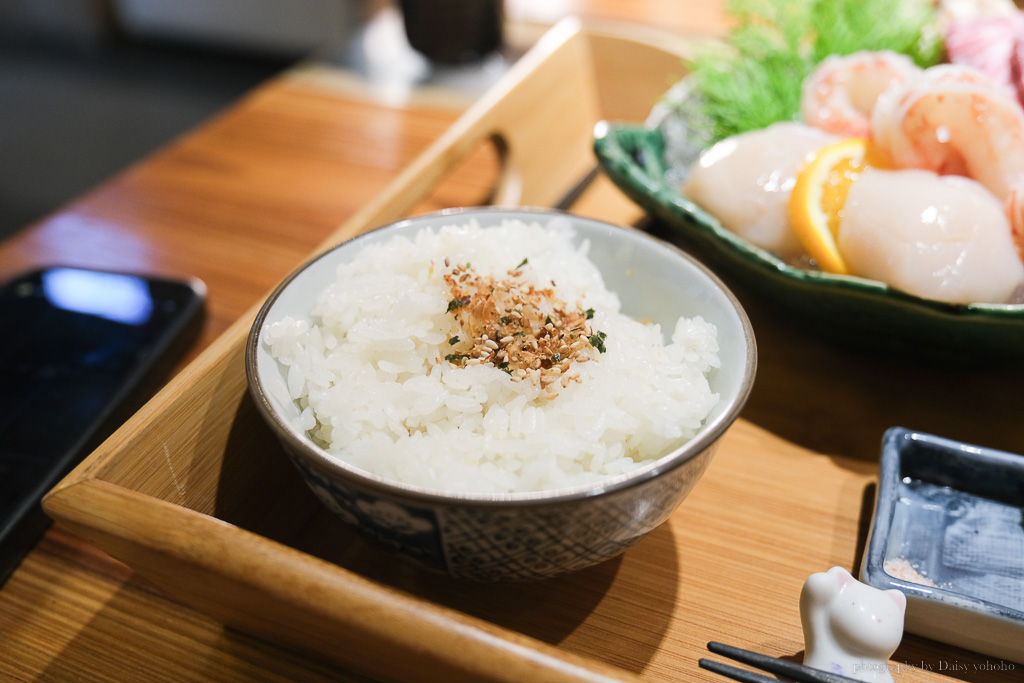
x=850 y=628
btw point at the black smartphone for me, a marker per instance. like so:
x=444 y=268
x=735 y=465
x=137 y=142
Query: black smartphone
x=80 y=351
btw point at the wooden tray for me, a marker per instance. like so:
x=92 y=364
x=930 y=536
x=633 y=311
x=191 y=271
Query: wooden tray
x=195 y=495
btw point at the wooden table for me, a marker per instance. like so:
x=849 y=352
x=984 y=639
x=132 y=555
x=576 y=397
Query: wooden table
x=244 y=198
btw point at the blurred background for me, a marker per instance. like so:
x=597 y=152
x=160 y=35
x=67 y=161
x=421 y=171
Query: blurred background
x=89 y=86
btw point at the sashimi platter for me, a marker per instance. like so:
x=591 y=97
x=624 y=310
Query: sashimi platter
x=866 y=174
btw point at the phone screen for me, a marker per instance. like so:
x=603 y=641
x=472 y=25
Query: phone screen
x=76 y=349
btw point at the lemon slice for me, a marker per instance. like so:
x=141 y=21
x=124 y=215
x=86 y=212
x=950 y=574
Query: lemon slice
x=820 y=193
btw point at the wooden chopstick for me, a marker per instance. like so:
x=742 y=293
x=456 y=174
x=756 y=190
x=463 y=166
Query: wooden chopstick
x=781 y=667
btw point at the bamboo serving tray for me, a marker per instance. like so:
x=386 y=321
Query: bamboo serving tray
x=196 y=496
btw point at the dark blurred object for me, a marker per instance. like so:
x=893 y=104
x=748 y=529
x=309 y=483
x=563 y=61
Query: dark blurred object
x=82 y=24
x=454 y=31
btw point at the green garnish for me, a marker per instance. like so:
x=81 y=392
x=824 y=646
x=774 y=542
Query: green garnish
x=504 y=367
x=454 y=304
x=775 y=44
x=522 y=263
x=547 y=320
x=590 y=313
x=556 y=358
x=453 y=341
x=455 y=357
x=597 y=341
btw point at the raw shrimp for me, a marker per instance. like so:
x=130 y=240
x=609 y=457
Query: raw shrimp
x=840 y=93
x=891 y=105
x=940 y=237
x=745 y=182
x=954 y=121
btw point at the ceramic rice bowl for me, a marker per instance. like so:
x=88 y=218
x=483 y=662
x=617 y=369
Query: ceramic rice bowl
x=515 y=536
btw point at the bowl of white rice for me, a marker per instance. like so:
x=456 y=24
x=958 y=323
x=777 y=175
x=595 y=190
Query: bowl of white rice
x=501 y=394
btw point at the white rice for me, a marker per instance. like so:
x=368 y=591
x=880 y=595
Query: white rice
x=374 y=389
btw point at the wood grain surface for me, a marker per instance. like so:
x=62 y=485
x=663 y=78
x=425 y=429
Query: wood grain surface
x=243 y=199
x=238 y=203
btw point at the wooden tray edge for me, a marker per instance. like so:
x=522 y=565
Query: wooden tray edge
x=222 y=562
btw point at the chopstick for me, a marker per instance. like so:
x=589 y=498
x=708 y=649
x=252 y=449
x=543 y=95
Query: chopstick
x=782 y=667
x=734 y=672
x=577 y=190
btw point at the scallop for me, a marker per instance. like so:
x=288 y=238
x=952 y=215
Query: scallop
x=745 y=181
x=939 y=237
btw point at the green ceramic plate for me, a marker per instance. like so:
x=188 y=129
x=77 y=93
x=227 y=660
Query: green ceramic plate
x=852 y=310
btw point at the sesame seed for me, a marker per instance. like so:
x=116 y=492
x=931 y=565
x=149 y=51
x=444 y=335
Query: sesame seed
x=546 y=337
